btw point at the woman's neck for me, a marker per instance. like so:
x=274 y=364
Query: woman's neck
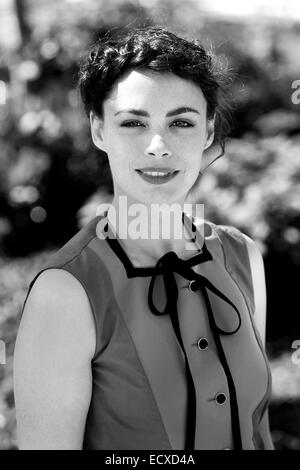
x=148 y=231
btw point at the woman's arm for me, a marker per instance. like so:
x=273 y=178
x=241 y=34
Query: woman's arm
x=52 y=363
x=259 y=286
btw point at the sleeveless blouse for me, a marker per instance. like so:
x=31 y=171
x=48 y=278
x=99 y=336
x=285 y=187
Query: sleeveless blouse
x=179 y=363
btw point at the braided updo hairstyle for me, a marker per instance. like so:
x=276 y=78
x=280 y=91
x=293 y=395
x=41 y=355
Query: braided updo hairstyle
x=158 y=50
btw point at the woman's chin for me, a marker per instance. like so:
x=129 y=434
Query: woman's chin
x=160 y=200
x=150 y=197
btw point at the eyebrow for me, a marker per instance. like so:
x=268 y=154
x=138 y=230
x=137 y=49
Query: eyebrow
x=174 y=112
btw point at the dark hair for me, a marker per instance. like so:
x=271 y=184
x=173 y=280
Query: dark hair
x=158 y=50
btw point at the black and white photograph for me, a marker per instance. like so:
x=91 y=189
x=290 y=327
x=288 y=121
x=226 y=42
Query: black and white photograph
x=149 y=227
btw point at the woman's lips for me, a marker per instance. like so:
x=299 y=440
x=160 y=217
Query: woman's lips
x=156 y=177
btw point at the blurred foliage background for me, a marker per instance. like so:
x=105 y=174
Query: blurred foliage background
x=52 y=178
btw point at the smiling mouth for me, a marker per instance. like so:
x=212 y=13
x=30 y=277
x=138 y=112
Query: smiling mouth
x=157 y=173
x=157 y=176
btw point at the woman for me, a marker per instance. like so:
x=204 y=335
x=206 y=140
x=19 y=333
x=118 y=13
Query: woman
x=147 y=342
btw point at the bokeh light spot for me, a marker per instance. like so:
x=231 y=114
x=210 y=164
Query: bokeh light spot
x=38 y=214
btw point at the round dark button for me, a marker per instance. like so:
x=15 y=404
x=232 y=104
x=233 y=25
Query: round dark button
x=202 y=344
x=193 y=286
x=220 y=398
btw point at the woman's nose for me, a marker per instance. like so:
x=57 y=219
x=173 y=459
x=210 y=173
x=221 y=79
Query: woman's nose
x=157 y=148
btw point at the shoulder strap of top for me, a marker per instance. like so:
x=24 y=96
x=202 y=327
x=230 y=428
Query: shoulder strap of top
x=237 y=262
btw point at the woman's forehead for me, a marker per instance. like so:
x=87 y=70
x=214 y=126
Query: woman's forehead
x=148 y=88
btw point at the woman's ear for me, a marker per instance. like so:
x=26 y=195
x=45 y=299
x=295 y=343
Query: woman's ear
x=97 y=131
x=210 y=133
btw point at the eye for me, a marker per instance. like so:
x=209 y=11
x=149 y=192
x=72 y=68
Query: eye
x=132 y=124
x=180 y=123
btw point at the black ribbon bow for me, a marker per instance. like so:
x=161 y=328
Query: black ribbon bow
x=167 y=265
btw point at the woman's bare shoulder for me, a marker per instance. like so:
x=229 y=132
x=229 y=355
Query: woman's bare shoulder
x=58 y=301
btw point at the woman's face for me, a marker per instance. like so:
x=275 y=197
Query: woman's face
x=155 y=122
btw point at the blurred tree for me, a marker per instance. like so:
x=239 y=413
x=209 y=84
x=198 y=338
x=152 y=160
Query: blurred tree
x=21 y=10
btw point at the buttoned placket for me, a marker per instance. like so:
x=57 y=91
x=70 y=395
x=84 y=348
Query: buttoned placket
x=220 y=398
